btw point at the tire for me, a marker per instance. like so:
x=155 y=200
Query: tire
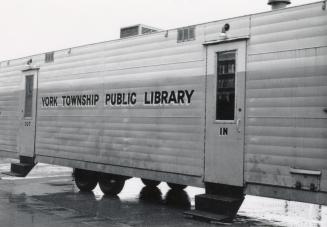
x=150 y=183
x=85 y=180
x=111 y=184
x=176 y=186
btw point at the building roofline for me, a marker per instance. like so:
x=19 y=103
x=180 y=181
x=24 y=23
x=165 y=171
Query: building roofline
x=163 y=30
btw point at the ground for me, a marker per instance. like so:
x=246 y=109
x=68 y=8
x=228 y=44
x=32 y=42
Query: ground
x=49 y=198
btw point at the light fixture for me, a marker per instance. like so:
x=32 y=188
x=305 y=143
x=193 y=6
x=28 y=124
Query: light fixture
x=224 y=29
x=29 y=62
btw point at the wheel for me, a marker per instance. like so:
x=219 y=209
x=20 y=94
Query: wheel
x=85 y=180
x=176 y=186
x=111 y=184
x=150 y=183
x=150 y=194
x=178 y=199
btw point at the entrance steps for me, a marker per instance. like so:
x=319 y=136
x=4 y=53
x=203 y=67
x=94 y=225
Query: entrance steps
x=216 y=208
x=22 y=168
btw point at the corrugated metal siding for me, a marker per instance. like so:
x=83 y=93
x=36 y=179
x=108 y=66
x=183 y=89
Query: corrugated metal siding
x=10 y=80
x=162 y=138
x=286 y=95
x=295 y=28
x=11 y=92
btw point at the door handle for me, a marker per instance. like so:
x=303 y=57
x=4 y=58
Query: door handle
x=238 y=123
x=325 y=110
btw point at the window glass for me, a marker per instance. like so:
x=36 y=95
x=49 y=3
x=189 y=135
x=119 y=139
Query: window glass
x=225 y=106
x=28 y=95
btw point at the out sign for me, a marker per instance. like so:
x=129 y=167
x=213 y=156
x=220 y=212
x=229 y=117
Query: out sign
x=223 y=131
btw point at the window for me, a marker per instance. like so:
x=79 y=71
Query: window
x=28 y=95
x=225 y=106
x=185 y=34
x=49 y=57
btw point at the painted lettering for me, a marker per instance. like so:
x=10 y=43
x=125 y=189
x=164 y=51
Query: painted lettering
x=159 y=97
x=79 y=100
x=120 y=99
x=223 y=131
x=146 y=101
x=164 y=97
x=180 y=96
x=133 y=98
x=172 y=98
x=189 y=95
x=49 y=101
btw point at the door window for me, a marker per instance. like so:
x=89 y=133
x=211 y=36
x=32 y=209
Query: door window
x=225 y=106
x=28 y=95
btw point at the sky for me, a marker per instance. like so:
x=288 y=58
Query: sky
x=35 y=26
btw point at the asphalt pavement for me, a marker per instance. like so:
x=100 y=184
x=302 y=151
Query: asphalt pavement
x=49 y=198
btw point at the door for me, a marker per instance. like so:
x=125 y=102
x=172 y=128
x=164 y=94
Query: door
x=28 y=97
x=224 y=145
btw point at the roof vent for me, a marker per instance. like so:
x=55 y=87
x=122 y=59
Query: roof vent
x=278 y=4
x=138 y=29
x=49 y=57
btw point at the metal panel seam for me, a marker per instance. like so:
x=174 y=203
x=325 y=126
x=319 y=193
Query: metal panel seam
x=205 y=111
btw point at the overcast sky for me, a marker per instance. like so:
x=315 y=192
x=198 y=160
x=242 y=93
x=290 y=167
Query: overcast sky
x=33 y=26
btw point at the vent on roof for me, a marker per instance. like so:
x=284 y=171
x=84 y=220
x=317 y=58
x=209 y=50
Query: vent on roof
x=130 y=31
x=278 y=4
x=49 y=57
x=147 y=30
x=186 y=34
x=139 y=29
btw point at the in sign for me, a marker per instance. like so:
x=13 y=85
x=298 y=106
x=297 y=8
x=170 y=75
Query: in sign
x=223 y=131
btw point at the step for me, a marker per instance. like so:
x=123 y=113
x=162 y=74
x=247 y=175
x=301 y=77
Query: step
x=207 y=216
x=26 y=159
x=218 y=204
x=21 y=169
x=224 y=198
x=12 y=174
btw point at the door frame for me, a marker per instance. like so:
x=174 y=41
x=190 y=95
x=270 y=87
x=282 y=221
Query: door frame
x=228 y=168
x=27 y=124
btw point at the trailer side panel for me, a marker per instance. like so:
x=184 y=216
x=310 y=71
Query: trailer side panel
x=166 y=137
x=286 y=95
